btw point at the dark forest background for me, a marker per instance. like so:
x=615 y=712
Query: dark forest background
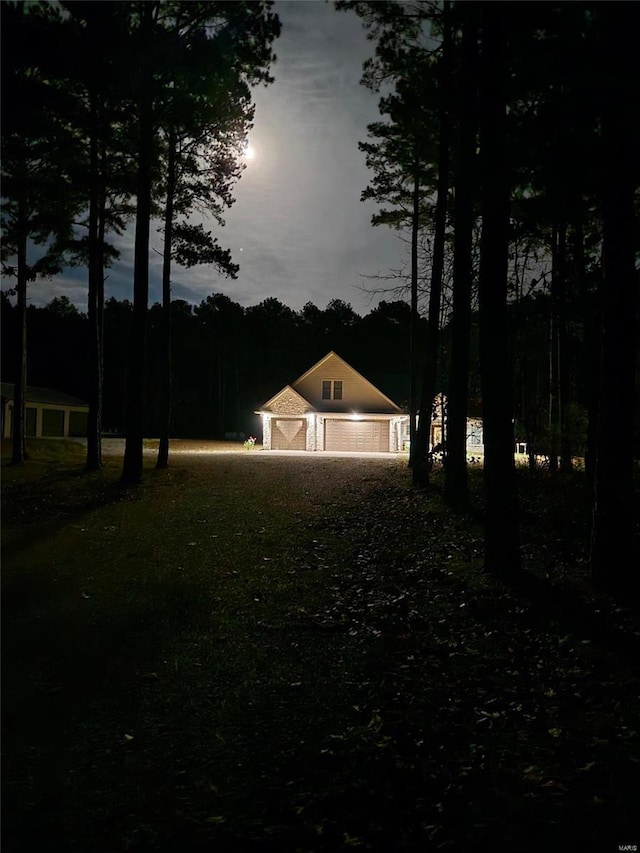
x=228 y=360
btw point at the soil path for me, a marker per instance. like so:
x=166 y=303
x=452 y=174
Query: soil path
x=291 y=652
x=127 y=612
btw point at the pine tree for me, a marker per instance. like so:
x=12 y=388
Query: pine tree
x=501 y=532
x=240 y=36
x=613 y=499
x=466 y=118
x=38 y=203
x=205 y=137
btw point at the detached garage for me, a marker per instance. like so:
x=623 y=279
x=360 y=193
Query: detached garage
x=332 y=408
x=48 y=413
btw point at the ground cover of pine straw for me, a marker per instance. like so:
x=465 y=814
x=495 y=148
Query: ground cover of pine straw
x=301 y=653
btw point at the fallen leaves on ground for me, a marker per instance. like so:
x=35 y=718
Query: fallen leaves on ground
x=341 y=674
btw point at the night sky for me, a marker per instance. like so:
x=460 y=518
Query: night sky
x=298 y=228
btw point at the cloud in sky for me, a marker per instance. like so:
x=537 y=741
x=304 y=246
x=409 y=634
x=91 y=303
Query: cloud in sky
x=297 y=228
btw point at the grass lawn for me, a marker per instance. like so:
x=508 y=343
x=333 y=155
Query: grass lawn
x=298 y=653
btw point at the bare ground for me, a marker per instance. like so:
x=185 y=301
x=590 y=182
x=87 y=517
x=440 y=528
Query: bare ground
x=292 y=652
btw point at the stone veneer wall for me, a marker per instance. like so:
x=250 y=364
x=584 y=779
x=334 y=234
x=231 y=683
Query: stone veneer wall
x=311 y=433
x=289 y=403
x=266 y=433
x=286 y=405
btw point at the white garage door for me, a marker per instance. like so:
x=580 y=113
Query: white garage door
x=356 y=436
x=288 y=434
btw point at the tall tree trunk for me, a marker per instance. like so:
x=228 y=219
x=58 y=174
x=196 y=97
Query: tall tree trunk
x=560 y=457
x=590 y=345
x=413 y=340
x=94 y=420
x=134 y=427
x=165 y=346
x=19 y=453
x=421 y=464
x=532 y=419
x=222 y=421
x=501 y=532
x=455 y=487
x=613 y=562
x=564 y=364
x=414 y=349
x=554 y=365
x=102 y=227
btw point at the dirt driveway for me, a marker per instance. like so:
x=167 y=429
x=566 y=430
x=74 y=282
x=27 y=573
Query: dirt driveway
x=114 y=447
x=267 y=652
x=153 y=638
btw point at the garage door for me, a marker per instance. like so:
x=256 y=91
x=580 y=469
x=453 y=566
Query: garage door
x=78 y=423
x=52 y=422
x=288 y=434
x=356 y=436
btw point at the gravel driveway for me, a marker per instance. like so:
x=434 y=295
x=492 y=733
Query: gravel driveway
x=182 y=446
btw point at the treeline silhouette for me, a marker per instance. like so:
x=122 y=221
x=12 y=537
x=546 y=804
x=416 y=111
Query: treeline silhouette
x=226 y=360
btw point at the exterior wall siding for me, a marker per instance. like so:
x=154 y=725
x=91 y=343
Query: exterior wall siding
x=474 y=442
x=47 y=420
x=396 y=431
x=357 y=393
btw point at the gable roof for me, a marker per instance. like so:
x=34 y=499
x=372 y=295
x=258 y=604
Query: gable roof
x=359 y=395
x=288 y=400
x=33 y=394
